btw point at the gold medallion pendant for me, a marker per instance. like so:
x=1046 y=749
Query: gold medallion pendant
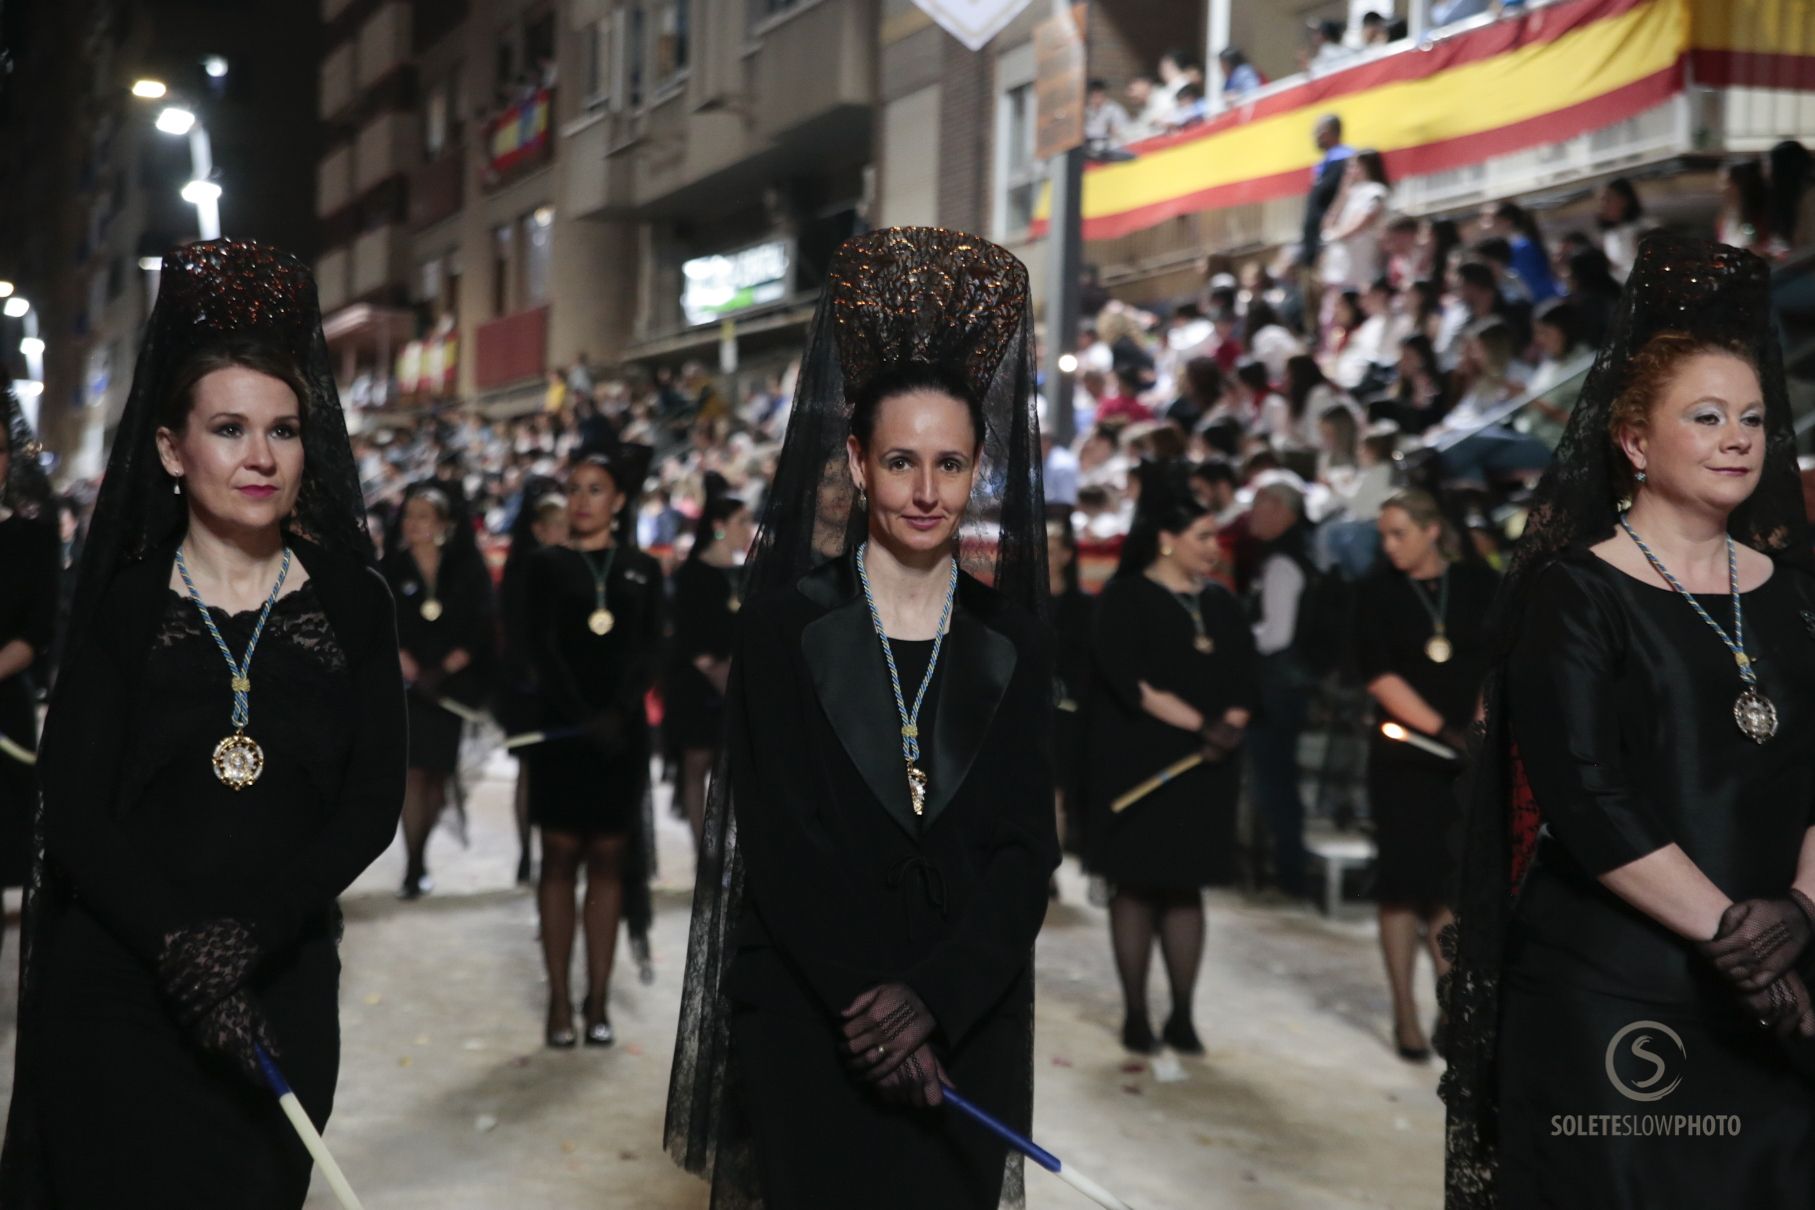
x=600 y=621
x=431 y=610
x=238 y=760
x=1438 y=649
x=1756 y=715
x=1204 y=644
x=917 y=788
x=734 y=604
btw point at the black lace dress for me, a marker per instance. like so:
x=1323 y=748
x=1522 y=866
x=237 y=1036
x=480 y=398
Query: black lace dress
x=130 y=1107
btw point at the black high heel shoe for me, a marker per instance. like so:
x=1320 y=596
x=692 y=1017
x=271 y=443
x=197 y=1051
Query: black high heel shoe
x=1411 y=1054
x=561 y=1037
x=598 y=1031
x=1182 y=1036
x=1137 y=1036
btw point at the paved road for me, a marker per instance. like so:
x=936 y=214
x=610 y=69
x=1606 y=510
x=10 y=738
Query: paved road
x=449 y=1102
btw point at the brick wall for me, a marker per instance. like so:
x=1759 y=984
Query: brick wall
x=966 y=119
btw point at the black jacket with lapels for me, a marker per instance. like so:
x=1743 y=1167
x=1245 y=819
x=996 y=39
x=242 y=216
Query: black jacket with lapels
x=845 y=886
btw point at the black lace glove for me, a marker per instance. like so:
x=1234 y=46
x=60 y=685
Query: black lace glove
x=1760 y=940
x=202 y=964
x=1220 y=739
x=918 y=1081
x=234 y=1029
x=883 y=1027
x=1783 y=1007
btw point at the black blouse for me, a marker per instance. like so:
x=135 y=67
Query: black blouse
x=467 y=620
x=1393 y=624
x=580 y=674
x=1621 y=706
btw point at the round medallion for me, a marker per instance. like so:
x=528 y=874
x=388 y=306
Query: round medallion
x=431 y=610
x=1204 y=644
x=1756 y=716
x=238 y=761
x=600 y=621
x=1438 y=650
x=734 y=604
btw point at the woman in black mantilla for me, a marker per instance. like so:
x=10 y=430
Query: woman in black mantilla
x=1636 y=900
x=595 y=616
x=865 y=931
x=29 y=594
x=1174 y=676
x=197 y=822
x=541 y=521
x=445 y=632
x=708 y=591
x=1421 y=644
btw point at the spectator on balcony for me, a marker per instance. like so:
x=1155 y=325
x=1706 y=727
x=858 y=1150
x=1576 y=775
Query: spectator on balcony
x=1326 y=49
x=1326 y=182
x=1744 y=220
x=1352 y=226
x=1622 y=220
x=1513 y=223
x=1175 y=73
x=1148 y=108
x=1375 y=30
x=1595 y=293
x=1448 y=12
x=1190 y=109
x=1105 y=121
x=1240 y=77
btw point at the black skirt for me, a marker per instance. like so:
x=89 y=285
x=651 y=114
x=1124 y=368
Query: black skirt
x=1414 y=807
x=575 y=786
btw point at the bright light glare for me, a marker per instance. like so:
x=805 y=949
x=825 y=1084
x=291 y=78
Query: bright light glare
x=16 y=307
x=151 y=264
x=148 y=90
x=176 y=121
x=6 y=289
x=201 y=191
x=1068 y=364
x=1394 y=731
x=25 y=388
x=32 y=346
x=215 y=66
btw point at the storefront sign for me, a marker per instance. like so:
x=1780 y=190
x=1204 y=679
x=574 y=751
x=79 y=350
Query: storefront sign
x=713 y=287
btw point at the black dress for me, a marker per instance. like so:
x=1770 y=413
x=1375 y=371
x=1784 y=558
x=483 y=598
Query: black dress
x=1182 y=835
x=466 y=623
x=1074 y=620
x=593 y=783
x=846 y=888
x=28 y=611
x=1621 y=705
x=705 y=601
x=148 y=840
x=1411 y=794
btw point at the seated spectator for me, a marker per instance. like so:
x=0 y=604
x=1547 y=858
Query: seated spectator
x=1338 y=442
x=1122 y=403
x=1478 y=296
x=1213 y=484
x=1399 y=250
x=1345 y=320
x=1268 y=341
x=1105 y=121
x=1365 y=364
x=1349 y=541
x=1202 y=395
x=1513 y=223
x=1240 y=77
x=1557 y=331
x=1480 y=450
x=1422 y=395
x=1190 y=109
x=1147 y=108
x=1594 y=292
x=1175 y=74
x=1744 y=220
x=1621 y=216
x=1374 y=30
x=1289 y=421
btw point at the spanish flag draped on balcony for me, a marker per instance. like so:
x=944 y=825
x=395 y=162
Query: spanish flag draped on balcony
x=1557 y=72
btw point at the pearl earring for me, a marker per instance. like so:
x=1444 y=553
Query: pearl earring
x=1165 y=552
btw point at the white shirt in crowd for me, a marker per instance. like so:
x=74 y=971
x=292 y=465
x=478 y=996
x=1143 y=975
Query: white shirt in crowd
x=1375 y=342
x=1355 y=259
x=1273 y=346
x=1282 y=583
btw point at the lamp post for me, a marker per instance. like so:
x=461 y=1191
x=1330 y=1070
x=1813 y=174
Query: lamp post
x=177 y=120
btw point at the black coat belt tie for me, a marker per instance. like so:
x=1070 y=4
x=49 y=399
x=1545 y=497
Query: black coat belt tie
x=932 y=885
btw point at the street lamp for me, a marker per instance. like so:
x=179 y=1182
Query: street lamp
x=32 y=346
x=6 y=289
x=148 y=90
x=16 y=307
x=178 y=120
x=215 y=66
x=175 y=120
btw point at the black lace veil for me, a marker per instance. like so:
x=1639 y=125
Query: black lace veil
x=213 y=295
x=1710 y=292
x=893 y=296
x=26 y=489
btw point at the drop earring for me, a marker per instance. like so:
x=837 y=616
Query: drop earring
x=176 y=487
x=1638 y=476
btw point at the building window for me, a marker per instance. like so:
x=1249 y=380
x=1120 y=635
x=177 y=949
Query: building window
x=538 y=238
x=1018 y=174
x=670 y=39
x=501 y=264
x=441 y=117
x=601 y=49
x=428 y=288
